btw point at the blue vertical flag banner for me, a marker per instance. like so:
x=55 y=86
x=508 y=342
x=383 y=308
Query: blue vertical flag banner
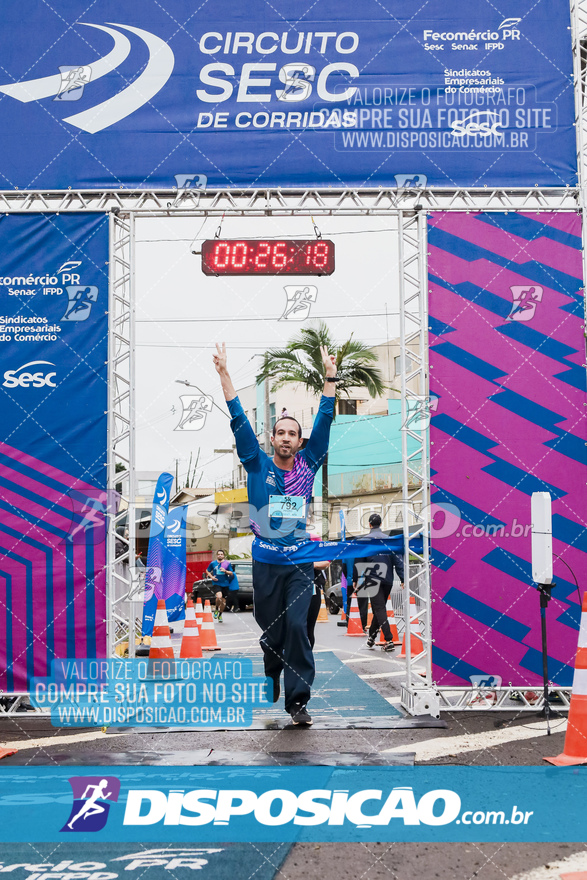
x=53 y=441
x=156 y=552
x=329 y=93
x=174 y=563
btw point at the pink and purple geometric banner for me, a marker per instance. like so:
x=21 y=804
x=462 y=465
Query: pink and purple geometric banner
x=507 y=356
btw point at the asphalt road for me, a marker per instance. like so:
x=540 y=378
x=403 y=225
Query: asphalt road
x=479 y=738
x=470 y=738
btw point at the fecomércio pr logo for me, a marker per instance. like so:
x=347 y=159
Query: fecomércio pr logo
x=92 y=796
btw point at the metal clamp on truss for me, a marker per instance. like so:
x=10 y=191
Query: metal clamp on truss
x=420 y=700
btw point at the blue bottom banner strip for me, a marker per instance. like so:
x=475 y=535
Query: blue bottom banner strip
x=241 y=804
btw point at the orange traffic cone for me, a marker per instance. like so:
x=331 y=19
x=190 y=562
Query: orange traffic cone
x=369 y=615
x=355 y=627
x=323 y=613
x=207 y=632
x=4 y=753
x=161 y=647
x=416 y=646
x=199 y=613
x=575 y=750
x=190 y=643
x=392 y=625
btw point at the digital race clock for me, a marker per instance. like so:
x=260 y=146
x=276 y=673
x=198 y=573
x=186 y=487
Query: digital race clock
x=313 y=256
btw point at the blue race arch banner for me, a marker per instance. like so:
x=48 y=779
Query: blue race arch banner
x=335 y=93
x=53 y=441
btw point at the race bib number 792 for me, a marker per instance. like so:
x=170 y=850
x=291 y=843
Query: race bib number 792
x=289 y=506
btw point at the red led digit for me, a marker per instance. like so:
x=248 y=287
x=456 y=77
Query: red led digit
x=221 y=256
x=279 y=257
x=266 y=257
x=239 y=255
x=320 y=255
x=261 y=260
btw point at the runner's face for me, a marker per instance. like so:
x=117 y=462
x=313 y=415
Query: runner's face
x=286 y=440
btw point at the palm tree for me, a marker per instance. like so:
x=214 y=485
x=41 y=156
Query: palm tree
x=300 y=363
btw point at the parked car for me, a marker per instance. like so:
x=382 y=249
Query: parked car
x=243 y=568
x=333 y=597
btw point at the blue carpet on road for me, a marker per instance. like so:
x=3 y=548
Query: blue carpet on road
x=337 y=693
x=147 y=861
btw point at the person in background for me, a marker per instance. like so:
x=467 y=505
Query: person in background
x=232 y=602
x=378 y=582
x=316 y=600
x=358 y=588
x=220 y=571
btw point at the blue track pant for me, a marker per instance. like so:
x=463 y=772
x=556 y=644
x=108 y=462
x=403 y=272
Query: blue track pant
x=281 y=595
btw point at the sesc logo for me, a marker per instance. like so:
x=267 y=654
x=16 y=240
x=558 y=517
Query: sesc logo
x=23 y=378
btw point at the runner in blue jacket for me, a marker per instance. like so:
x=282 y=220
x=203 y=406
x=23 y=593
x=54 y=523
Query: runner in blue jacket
x=279 y=490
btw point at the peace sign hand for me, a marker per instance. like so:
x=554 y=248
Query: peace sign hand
x=220 y=358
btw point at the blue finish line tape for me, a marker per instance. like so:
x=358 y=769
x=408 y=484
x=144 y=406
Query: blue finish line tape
x=422 y=804
x=327 y=551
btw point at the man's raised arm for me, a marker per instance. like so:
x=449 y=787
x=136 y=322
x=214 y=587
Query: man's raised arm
x=220 y=362
x=329 y=361
x=247 y=445
x=317 y=445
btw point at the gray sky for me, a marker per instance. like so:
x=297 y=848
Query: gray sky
x=181 y=313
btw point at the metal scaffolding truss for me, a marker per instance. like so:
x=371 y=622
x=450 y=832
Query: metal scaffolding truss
x=413 y=347
x=123 y=588
x=262 y=202
x=579 y=28
x=418 y=696
x=123 y=595
x=419 y=693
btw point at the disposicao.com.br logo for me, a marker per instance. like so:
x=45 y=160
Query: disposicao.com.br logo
x=310 y=807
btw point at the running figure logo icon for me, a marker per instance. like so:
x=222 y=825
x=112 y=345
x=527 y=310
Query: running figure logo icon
x=485 y=681
x=420 y=412
x=153 y=580
x=73 y=82
x=370 y=575
x=90 y=802
x=81 y=299
x=299 y=302
x=411 y=181
x=194 y=411
x=525 y=299
x=298 y=78
x=191 y=181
